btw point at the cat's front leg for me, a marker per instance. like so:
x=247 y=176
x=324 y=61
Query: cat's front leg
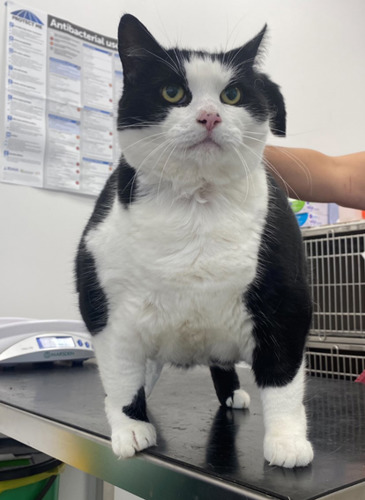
x=285 y=442
x=130 y=429
x=122 y=366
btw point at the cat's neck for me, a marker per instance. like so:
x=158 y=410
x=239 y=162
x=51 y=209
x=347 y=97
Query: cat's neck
x=202 y=191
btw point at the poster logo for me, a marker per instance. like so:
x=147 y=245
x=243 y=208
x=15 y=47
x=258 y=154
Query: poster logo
x=27 y=16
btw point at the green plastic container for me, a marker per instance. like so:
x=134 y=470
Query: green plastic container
x=39 y=490
x=27 y=474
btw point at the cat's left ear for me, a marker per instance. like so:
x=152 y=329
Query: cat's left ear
x=135 y=46
x=246 y=55
x=245 y=59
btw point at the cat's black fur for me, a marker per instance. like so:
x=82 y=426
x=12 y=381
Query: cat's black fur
x=279 y=298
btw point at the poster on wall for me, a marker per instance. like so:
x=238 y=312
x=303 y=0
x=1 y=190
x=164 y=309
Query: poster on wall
x=62 y=86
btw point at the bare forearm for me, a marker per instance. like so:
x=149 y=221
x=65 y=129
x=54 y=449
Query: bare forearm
x=351 y=180
x=312 y=176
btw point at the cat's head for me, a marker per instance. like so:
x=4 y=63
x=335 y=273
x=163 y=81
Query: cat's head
x=190 y=115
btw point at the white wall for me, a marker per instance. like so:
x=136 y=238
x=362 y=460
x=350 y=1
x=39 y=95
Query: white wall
x=315 y=52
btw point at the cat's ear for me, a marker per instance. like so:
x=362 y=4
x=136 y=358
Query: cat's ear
x=248 y=53
x=276 y=104
x=135 y=45
x=255 y=47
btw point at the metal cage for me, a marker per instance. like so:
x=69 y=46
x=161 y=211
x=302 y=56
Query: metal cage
x=336 y=258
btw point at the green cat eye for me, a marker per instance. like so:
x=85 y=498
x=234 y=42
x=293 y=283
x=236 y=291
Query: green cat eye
x=231 y=95
x=173 y=93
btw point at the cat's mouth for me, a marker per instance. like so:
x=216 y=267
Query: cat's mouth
x=207 y=143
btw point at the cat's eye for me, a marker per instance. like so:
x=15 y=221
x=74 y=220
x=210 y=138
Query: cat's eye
x=173 y=93
x=231 y=95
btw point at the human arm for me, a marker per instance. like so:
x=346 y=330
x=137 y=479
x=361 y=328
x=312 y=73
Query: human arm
x=313 y=176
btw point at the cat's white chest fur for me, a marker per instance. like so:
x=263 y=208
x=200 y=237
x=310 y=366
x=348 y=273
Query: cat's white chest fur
x=176 y=270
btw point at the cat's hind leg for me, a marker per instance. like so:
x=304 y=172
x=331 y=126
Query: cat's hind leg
x=227 y=387
x=153 y=372
x=122 y=367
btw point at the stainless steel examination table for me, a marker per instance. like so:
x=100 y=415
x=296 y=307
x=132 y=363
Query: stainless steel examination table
x=204 y=451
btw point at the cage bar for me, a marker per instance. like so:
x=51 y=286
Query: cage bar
x=336 y=261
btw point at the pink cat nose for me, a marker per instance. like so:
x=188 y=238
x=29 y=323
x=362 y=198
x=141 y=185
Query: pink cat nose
x=209 y=120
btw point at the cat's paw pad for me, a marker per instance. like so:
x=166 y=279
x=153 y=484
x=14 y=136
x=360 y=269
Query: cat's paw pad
x=129 y=438
x=288 y=451
x=239 y=400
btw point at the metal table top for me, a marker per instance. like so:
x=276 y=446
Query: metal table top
x=203 y=451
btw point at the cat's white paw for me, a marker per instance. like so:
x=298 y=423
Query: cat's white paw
x=288 y=451
x=239 y=400
x=130 y=437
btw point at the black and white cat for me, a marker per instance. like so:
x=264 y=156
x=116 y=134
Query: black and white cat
x=192 y=254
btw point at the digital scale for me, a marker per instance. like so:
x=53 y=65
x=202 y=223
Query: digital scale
x=38 y=341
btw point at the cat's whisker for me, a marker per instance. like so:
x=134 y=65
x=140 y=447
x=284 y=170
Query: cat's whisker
x=177 y=67
x=163 y=27
x=172 y=65
x=164 y=146
x=296 y=161
x=231 y=63
x=165 y=164
x=147 y=139
x=247 y=171
x=178 y=62
x=270 y=166
x=144 y=49
x=286 y=185
x=263 y=134
x=299 y=163
x=139 y=124
x=138 y=169
x=261 y=158
x=290 y=191
x=250 y=137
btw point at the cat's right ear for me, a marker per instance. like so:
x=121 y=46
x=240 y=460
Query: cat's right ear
x=135 y=44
